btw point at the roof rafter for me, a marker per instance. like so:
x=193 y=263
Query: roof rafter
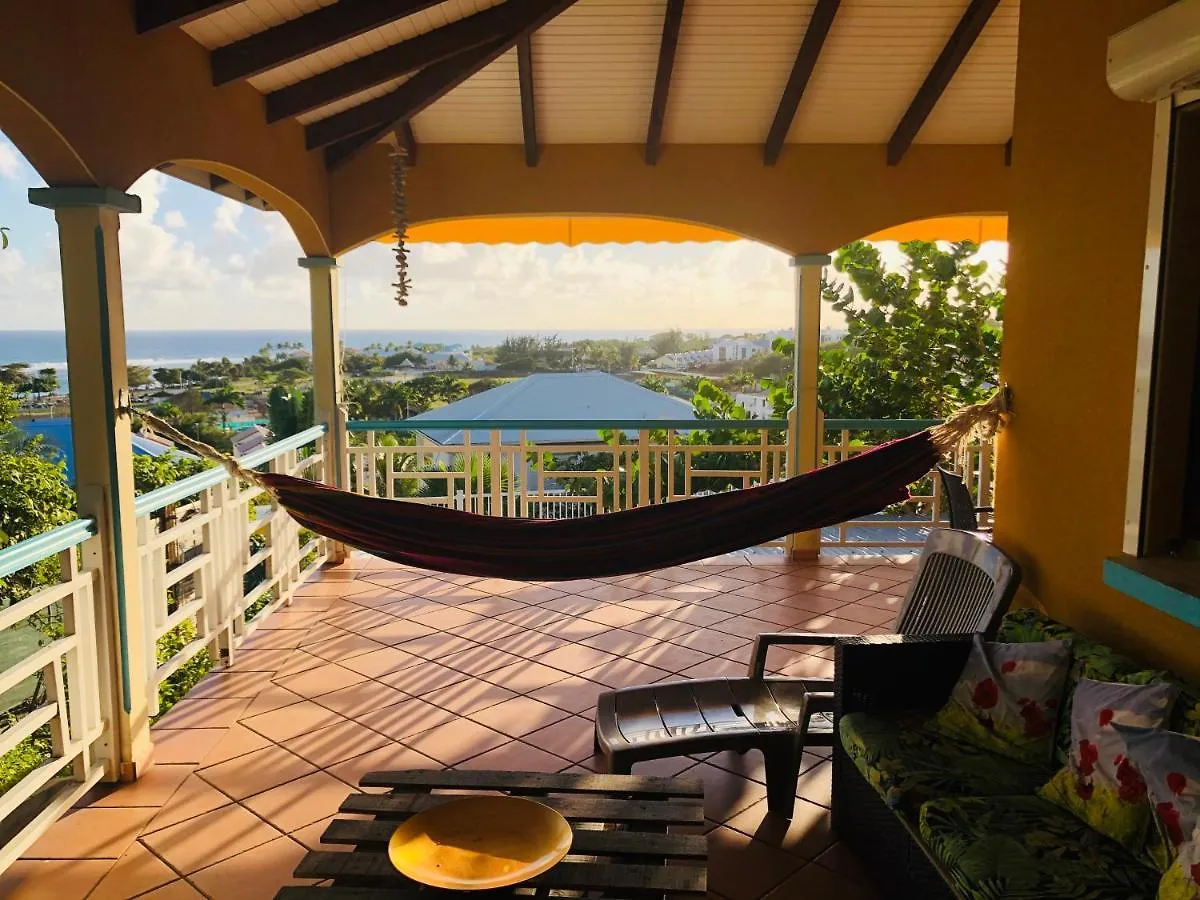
x=802 y=69
x=307 y=34
x=528 y=109
x=379 y=117
x=962 y=39
x=384 y=113
x=152 y=14
x=408 y=141
x=662 y=80
x=400 y=59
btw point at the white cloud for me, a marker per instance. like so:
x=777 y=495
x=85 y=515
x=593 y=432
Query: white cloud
x=226 y=216
x=10 y=161
x=439 y=254
x=174 y=219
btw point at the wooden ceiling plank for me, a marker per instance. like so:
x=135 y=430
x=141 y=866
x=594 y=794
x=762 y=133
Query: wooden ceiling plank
x=426 y=87
x=306 y=34
x=399 y=59
x=802 y=70
x=152 y=14
x=528 y=109
x=962 y=39
x=662 y=80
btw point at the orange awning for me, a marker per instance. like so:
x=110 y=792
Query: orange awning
x=948 y=228
x=575 y=230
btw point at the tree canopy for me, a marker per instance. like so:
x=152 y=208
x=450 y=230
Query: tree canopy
x=920 y=342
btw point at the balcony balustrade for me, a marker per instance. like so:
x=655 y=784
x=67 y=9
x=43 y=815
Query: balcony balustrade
x=217 y=557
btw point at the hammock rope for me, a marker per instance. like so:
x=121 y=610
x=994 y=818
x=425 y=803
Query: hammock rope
x=619 y=543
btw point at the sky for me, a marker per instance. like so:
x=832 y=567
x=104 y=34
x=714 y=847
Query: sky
x=195 y=260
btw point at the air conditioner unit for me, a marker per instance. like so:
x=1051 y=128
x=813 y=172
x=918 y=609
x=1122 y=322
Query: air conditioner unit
x=1158 y=56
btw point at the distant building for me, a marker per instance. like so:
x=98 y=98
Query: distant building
x=249 y=439
x=572 y=396
x=757 y=404
x=740 y=348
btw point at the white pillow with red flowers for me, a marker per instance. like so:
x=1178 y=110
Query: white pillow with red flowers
x=1100 y=783
x=1170 y=765
x=1007 y=698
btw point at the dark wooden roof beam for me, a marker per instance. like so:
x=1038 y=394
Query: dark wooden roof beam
x=152 y=14
x=662 y=80
x=381 y=116
x=528 y=109
x=408 y=141
x=307 y=34
x=400 y=59
x=962 y=39
x=802 y=69
x=386 y=112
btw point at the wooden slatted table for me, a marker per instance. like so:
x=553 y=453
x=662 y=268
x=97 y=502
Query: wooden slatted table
x=623 y=845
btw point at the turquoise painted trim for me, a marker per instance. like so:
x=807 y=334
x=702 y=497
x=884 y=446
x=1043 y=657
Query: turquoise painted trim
x=28 y=552
x=85 y=195
x=1163 y=597
x=110 y=420
x=270 y=451
x=903 y=425
x=910 y=426
x=561 y=424
x=317 y=262
x=155 y=500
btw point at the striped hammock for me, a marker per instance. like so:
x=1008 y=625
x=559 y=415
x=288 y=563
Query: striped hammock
x=620 y=543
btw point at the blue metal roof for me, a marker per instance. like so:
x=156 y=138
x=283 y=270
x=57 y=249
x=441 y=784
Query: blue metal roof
x=57 y=434
x=569 y=395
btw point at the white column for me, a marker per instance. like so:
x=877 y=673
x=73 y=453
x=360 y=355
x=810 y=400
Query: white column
x=327 y=373
x=88 y=222
x=804 y=435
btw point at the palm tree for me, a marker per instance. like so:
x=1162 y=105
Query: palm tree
x=476 y=476
x=226 y=398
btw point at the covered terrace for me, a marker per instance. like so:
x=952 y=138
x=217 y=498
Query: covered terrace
x=802 y=125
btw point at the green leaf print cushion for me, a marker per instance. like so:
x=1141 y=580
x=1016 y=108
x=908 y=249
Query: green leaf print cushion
x=1007 y=697
x=1100 y=784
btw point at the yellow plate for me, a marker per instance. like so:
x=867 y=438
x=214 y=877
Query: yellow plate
x=480 y=843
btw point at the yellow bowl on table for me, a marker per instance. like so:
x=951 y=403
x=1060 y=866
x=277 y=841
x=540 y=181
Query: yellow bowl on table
x=480 y=843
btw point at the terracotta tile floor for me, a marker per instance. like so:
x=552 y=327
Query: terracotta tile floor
x=377 y=666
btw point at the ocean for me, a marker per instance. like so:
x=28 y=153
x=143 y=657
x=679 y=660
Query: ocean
x=174 y=349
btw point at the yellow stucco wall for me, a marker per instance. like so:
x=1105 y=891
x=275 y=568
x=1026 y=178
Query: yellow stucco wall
x=1077 y=220
x=123 y=103
x=817 y=198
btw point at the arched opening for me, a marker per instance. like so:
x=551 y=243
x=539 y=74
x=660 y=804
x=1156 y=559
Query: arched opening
x=40 y=141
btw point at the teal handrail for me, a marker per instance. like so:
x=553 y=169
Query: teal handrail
x=903 y=425
x=26 y=553
x=155 y=500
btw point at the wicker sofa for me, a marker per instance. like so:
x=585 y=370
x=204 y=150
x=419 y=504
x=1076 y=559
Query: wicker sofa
x=935 y=818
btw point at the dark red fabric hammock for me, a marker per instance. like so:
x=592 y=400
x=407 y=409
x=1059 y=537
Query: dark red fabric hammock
x=620 y=543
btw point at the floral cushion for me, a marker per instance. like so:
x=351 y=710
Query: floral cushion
x=1007 y=697
x=908 y=761
x=1100 y=784
x=1170 y=765
x=1020 y=848
x=1091 y=659
x=1182 y=881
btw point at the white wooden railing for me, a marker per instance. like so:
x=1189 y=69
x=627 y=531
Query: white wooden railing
x=533 y=482
x=202 y=542
x=217 y=557
x=65 y=705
